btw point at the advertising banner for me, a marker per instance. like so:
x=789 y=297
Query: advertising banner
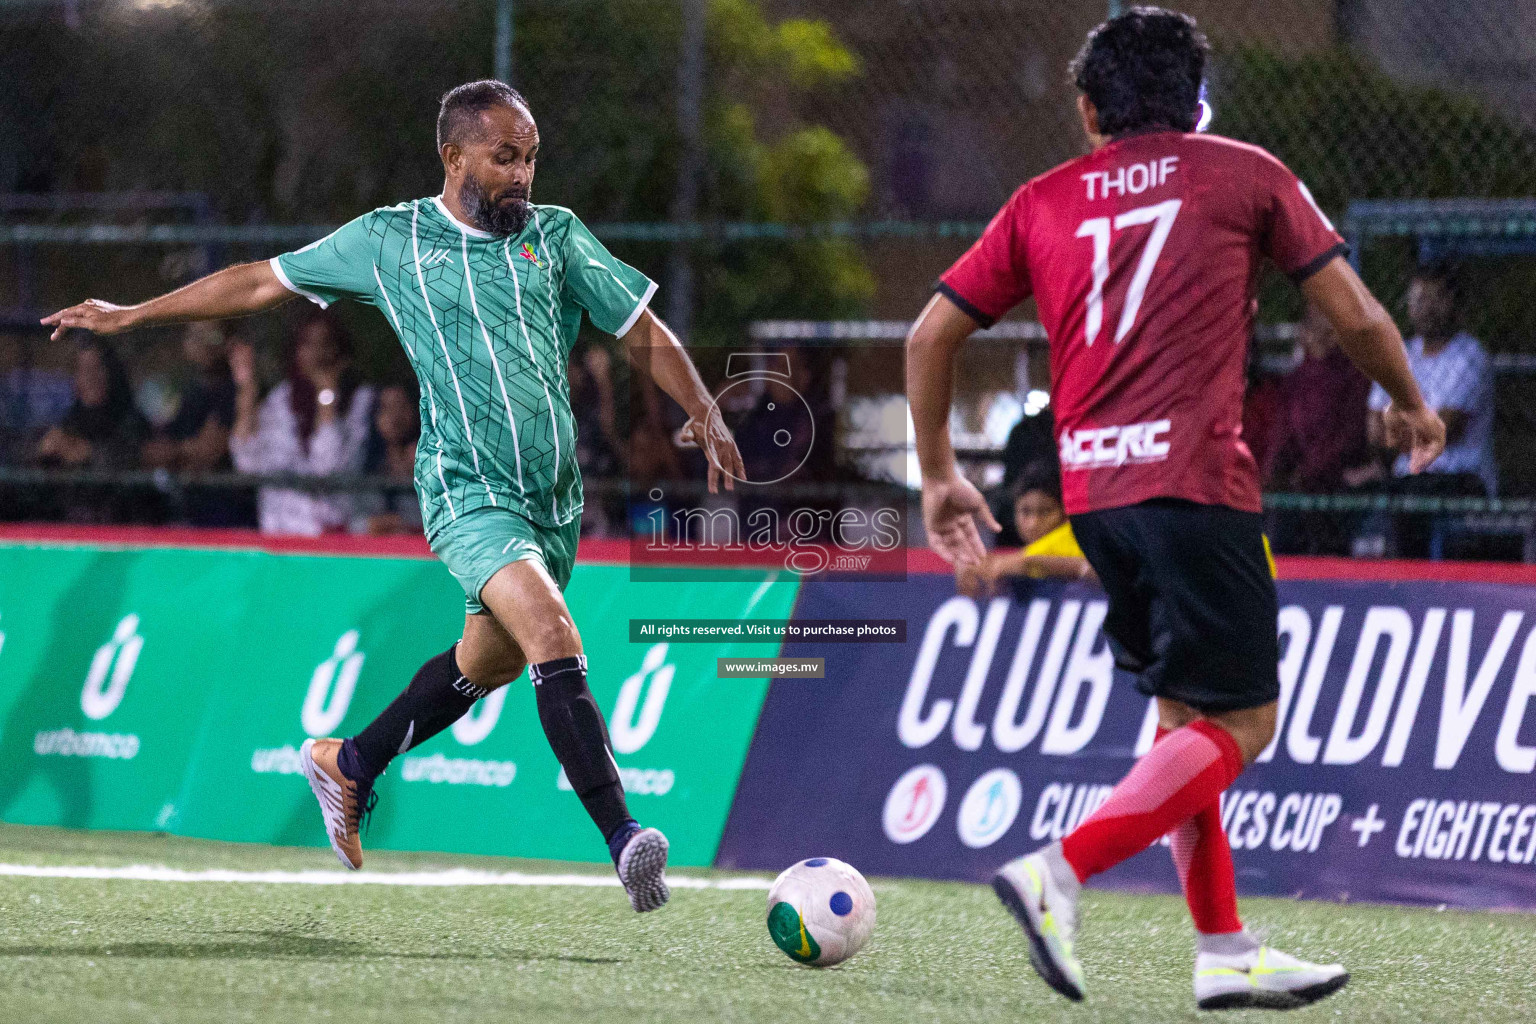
x=171 y=689
x=1401 y=770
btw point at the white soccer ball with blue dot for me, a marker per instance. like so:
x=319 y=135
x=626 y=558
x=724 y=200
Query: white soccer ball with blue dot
x=820 y=911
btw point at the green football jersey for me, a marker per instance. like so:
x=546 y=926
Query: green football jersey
x=488 y=323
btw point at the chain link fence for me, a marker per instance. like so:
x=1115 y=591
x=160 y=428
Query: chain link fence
x=844 y=152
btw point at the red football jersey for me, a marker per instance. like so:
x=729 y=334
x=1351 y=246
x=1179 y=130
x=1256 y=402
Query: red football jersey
x=1144 y=259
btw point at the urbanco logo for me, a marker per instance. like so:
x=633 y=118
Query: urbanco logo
x=331 y=686
x=111 y=669
x=633 y=724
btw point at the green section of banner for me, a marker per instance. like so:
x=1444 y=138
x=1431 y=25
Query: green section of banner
x=171 y=689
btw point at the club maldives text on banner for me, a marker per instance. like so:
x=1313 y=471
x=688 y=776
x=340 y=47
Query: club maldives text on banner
x=170 y=690
x=1401 y=770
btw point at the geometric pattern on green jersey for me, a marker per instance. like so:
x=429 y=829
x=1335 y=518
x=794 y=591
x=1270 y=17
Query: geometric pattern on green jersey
x=488 y=323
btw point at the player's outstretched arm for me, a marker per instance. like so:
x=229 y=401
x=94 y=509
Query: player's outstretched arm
x=951 y=503
x=1372 y=342
x=234 y=291
x=652 y=345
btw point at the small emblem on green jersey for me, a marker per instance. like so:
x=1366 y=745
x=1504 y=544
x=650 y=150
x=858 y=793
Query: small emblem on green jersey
x=531 y=256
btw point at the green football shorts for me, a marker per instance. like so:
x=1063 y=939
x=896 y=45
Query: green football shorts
x=476 y=545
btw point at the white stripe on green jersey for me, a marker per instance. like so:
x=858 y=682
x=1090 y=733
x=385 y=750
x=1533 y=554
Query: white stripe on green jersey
x=491 y=321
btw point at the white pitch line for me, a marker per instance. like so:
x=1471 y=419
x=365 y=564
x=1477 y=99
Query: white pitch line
x=452 y=877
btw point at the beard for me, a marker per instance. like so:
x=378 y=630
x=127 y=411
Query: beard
x=505 y=213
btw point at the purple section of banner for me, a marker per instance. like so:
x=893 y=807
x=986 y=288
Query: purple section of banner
x=1401 y=770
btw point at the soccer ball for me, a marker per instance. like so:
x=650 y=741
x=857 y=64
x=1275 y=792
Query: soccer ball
x=820 y=911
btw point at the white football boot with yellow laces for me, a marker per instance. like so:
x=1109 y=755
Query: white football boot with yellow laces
x=1262 y=978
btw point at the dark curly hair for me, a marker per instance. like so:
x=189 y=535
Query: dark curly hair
x=1041 y=475
x=1143 y=70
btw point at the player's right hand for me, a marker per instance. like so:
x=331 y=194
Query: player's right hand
x=951 y=507
x=92 y=315
x=714 y=438
x=1419 y=432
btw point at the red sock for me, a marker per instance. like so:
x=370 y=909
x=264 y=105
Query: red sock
x=1176 y=779
x=1203 y=858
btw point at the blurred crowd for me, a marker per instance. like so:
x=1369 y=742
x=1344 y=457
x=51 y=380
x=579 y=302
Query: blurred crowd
x=1313 y=429
x=208 y=416
x=169 y=444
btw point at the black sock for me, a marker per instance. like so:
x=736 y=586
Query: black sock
x=579 y=737
x=438 y=696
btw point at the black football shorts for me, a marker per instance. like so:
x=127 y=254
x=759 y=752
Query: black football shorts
x=1192 y=603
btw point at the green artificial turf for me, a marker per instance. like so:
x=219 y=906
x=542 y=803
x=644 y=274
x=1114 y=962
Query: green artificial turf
x=128 y=951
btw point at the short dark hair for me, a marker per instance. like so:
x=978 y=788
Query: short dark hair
x=458 y=117
x=1446 y=275
x=1042 y=475
x=1143 y=69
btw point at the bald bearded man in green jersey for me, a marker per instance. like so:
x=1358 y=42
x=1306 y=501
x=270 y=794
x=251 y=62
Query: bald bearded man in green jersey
x=486 y=292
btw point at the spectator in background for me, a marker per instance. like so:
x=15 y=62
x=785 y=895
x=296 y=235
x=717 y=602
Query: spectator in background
x=1457 y=381
x=32 y=399
x=783 y=418
x=599 y=452
x=1032 y=441
x=1319 y=432
x=1318 y=444
x=102 y=429
x=314 y=423
x=391 y=453
x=1050 y=549
x=196 y=440
x=1263 y=406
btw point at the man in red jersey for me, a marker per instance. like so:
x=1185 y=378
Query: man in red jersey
x=1143 y=258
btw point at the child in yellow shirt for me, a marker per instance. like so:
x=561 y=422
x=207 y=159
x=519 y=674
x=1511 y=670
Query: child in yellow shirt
x=1050 y=550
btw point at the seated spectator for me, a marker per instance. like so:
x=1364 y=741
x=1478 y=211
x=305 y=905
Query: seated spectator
x=314 y=423
x=1263 y=406
x=1050 y=550
x=391 y=453
x=599 y=452
x=32 y=399
x=1318 y=443
x=1320 y=428
x=196 y=440
x=1457 y=381
x=1032 y=440
x=1454 y=373
x=102 y=429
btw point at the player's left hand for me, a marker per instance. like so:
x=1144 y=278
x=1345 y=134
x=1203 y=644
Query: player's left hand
x=713 y=437
x=951 y=507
